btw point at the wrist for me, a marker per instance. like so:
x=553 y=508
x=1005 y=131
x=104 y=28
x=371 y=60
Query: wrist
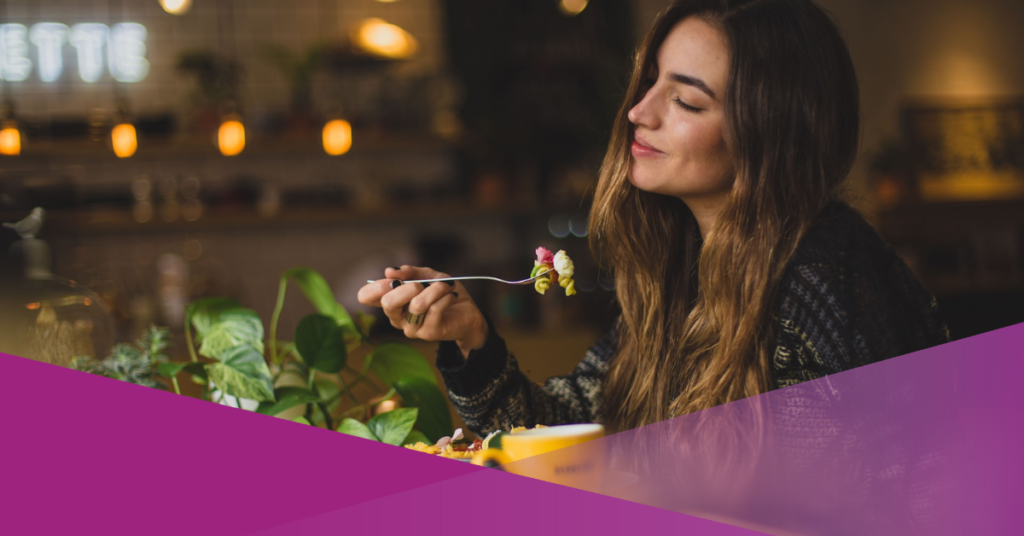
x=477 y=339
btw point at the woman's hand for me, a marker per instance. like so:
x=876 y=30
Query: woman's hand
x=432 y=312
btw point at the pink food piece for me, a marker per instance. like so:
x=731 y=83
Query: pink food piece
x=544 y=256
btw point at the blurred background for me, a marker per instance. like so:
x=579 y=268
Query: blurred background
x=193 y=148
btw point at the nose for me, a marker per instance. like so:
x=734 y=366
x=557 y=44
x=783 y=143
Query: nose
x=643 y=113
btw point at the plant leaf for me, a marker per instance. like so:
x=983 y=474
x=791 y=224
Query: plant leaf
x=286 y=398
x=353 y=427
x=242 y=373
x=319 y=293
x=321 y=343
x=301 y=420
x=325 y=388
x=416 y=436
x=171 y=370
x=233 y=328
x=434 y=418
x=205 y=312
x=393 y=426
x=392 y=361
x=198 y=372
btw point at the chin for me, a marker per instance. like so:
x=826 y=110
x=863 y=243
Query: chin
x=645 y=183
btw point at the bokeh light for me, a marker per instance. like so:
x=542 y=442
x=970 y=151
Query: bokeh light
x=231 y=137
x=572 y=7
x=380 y=38
x=176 y=7
x=337 y=137
x=10 y=140
x=124 y=140
x=558 y=225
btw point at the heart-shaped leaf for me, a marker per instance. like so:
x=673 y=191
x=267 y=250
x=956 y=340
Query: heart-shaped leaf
x=355 y=428
x=232 y=328
x=434 y=418
x=392 y=361
x=393 y=426
x=242 y=373
x=287 y=398
x=205 y=312
x=321 y=343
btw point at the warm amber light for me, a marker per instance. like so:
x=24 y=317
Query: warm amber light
x=176 y=7
x=10 y=141
x=231 y=137
x=572 y=7
x=382 y=39
x=124 y=141
x=337 y=137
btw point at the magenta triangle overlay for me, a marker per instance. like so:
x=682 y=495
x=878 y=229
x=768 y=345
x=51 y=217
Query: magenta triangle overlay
x=85 y=451
x=495 y=502
x=926 y=443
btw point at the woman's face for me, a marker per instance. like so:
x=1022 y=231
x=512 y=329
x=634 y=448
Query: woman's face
x=678 y=148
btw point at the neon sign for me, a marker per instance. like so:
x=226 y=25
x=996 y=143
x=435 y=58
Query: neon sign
x=125 y=45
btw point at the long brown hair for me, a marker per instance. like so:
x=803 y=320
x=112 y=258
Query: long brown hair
x=695 y=326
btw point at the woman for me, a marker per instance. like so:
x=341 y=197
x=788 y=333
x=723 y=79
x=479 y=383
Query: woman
x=737 y=269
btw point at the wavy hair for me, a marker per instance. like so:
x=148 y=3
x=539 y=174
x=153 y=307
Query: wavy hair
x=695 y=330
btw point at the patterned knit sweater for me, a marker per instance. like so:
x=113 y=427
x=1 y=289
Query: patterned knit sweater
x=845 y=300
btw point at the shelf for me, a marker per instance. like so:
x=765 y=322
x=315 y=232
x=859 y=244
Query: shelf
x=75 y=222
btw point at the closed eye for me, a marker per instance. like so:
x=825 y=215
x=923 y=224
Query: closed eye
x=687 y=107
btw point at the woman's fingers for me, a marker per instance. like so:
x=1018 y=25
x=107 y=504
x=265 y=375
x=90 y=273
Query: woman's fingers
x=432 y=327
x=371 y=293
x=431 y=293
x=395 y=301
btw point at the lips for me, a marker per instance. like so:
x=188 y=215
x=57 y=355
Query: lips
x=641 y=149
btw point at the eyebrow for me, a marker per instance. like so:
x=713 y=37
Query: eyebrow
x=691 y=81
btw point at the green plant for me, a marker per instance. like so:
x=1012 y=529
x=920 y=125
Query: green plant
x=132 y=363
x=238 y=364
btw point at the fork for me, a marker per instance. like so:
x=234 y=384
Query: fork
x=485 y=277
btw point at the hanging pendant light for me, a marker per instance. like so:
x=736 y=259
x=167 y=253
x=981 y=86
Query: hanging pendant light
x=337 y=137
x=231 y=135
x=123 y=138
x=10 y=136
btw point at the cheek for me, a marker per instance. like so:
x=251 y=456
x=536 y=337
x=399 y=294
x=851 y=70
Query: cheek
x=703 y=150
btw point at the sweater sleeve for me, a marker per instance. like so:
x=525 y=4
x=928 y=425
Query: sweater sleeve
x=490 y=392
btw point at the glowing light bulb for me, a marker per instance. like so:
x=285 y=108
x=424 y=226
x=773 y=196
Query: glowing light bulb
x=383 y=39
x=572 y=7
x=231 y=137
x=124 y=140
x=10 y=140
x=337 y=137
x=176 y=7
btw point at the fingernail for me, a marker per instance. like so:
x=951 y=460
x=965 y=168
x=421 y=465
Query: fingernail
x=396 y=283
x=450 y=283
x=456 y=294
x=396 y=267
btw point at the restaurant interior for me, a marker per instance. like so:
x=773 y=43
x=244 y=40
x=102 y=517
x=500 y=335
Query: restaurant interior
x=186 y=149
